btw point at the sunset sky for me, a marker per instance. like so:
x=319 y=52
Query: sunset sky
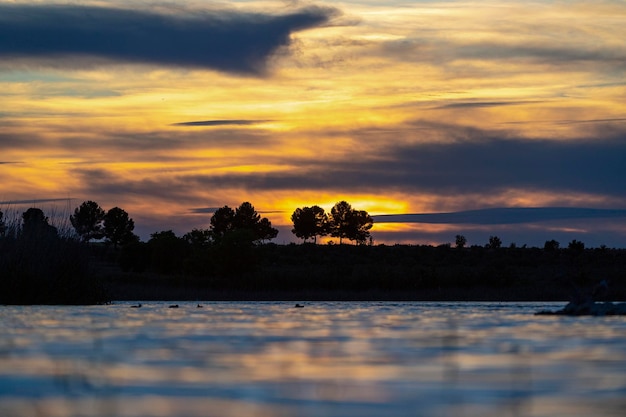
x=450 y=110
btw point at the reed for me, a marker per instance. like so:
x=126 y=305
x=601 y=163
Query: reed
x=45 y=264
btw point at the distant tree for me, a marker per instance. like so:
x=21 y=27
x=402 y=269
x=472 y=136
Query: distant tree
x=35 y=225
x=460 y=241
x=88 y=221
x=345 y=222
x=362 y=223
x=198 y=238
x=118 y=227
x=226 y=220
x=310 y=222
x=494 y=242
x=222 y=222
x=166 y=235
x=265 y=230
x=246 y=217
x=340 y=220
x=34 y=217
x=576 y=246
x=551 y=246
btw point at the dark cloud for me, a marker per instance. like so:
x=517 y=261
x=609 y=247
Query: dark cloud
x=76 y=140
x=503 y=215
x=36 y=201
x=568 y=122
x=563 y=53
x=478 y=104
x=470 y=163
x=133 y=145
x=223 y=40
x=164 y=188
x=204 y=210
x=485 y=165
x=558 y=54
x=221 y=123
x=475 y=162
x=12 y=141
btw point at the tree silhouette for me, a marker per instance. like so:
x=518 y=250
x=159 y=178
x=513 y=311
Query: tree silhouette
x=222 y=222
x=362 y=222
x=87 y=221
x=245 y=218
x=198 y=238
x=345 y=222
x=309 y=222
x=576 y=246
x=118 y=227
x=340 y=220
x=265 y=230
x=460 y=241
x=551 y=246
x=35 y=225
x=494 y=242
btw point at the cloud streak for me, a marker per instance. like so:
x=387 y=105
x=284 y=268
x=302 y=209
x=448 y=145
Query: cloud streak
x=221 y=40
x=221 y=123
x=503 y=216
x=35 y=201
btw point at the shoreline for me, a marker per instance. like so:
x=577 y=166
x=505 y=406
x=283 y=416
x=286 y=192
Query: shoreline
x=128 y=291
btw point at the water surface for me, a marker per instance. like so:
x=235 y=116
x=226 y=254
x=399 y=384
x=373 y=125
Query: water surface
x=326 y=359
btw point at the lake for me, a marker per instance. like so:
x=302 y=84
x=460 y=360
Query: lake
x=327 y=359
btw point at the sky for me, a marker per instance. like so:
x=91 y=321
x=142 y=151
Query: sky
x=439 y=118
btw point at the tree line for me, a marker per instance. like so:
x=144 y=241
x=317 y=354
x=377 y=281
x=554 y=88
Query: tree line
x=92 y=222
x=44 y=263
x=244 y=223
x=41 y=263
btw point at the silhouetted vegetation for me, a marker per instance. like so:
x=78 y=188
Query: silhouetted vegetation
x=348 y=223
x=309 y=271
x=118 y=227
x=310 y=222
x=88 y=221
x=41 y=263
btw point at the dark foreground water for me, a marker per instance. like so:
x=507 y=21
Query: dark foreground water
x=327 y=359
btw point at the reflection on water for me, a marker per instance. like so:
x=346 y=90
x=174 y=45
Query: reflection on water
x=327 y=359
